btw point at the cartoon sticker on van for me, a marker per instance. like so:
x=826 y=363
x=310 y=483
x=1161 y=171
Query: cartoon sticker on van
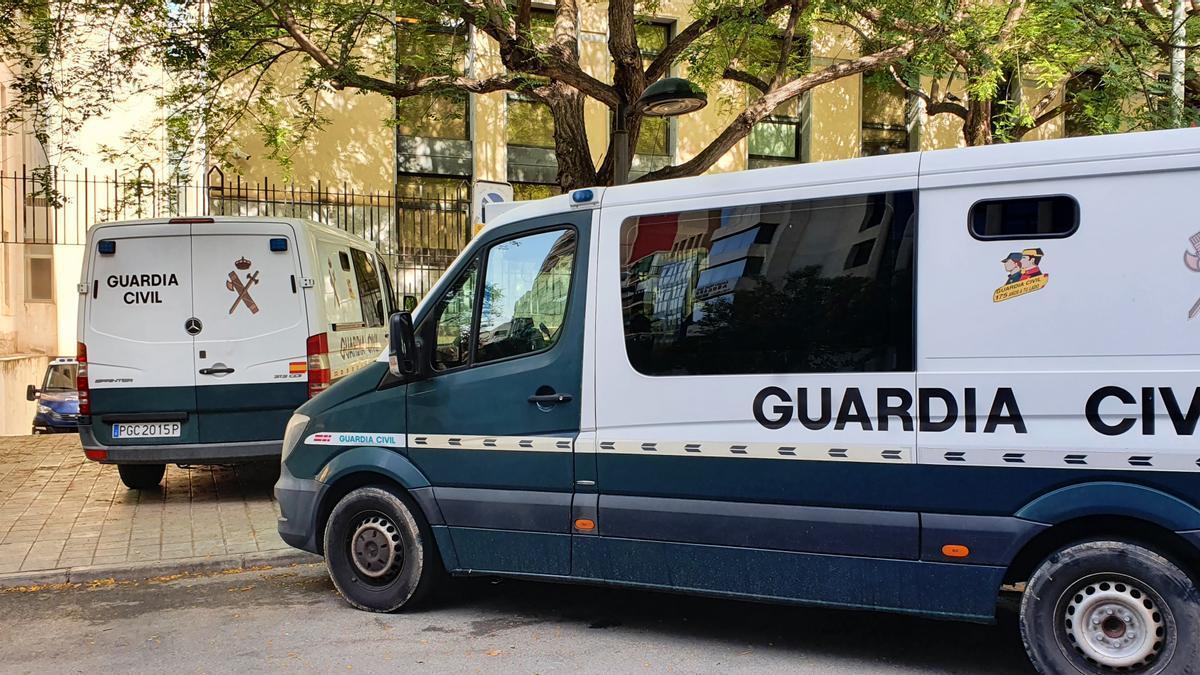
x=236 y=285
x=1025 y=274
x=1192 y=260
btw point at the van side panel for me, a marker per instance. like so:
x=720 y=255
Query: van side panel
x=1072 y=393
x=708 y=480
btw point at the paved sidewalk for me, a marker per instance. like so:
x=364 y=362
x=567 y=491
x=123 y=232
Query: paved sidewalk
x=59 y=511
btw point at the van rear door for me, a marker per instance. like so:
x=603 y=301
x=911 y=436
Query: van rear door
x=137 y=306
x=250 y=357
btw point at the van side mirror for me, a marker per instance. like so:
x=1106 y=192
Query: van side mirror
x=402 y=345
x=31 y=393
x=410 y=303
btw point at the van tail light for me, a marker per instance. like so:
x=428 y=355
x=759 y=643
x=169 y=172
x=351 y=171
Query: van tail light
x=81 y=380
x=318 y=364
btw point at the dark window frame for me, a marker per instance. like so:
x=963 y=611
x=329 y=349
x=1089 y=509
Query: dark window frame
x=1024 y=237
x=909 y=341
x=478 y=318
x=797 y=122
x=480 y=256
x=435 y=315
x=379 y=290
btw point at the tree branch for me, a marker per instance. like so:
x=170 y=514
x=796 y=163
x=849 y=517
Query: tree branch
x=746 y=78
x=661 y=64
x=741 y=125
x=1016 y=9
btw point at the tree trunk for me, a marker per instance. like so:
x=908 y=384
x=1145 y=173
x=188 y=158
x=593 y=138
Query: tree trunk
x=977 y=128
x=575 y=167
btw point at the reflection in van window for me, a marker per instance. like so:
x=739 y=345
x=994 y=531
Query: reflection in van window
x=370 y=291
x=1027 y=218
x=818 y=286
x=525 y=294
x=453 y=339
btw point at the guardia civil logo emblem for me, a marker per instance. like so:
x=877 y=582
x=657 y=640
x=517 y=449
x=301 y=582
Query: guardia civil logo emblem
x=242 y=287
x=1025 y=275
x=1192 y=260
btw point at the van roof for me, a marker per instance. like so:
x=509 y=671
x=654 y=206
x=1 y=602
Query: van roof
x=298 y=223
x=1174 y=143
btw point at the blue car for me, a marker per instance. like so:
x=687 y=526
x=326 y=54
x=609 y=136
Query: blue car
x=58 y=399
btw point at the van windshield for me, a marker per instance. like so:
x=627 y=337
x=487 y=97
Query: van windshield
x=61 y=377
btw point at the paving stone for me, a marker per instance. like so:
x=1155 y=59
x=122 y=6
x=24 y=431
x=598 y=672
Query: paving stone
x=59 y=510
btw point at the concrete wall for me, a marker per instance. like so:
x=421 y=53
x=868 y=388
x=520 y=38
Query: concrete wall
x=17 y=371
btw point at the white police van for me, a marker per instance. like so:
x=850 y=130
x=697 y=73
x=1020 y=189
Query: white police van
x=198 y=337
x=908 y=383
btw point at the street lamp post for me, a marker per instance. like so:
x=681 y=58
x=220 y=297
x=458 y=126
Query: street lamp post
x=668 y=97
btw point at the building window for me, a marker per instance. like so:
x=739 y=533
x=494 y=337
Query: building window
x=884 y=118
x=654 y=139
x=791 y=287
x=442 y=115
x=779 y=139
x=530 y=123
x=39 y=278
x=433 y=131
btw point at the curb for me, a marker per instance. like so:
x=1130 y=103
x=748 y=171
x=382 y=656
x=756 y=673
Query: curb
x=157 y=568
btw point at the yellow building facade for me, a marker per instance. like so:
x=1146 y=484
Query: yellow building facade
x=507 y=138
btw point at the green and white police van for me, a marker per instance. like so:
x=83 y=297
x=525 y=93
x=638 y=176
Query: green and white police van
x=910 y=383
x=198 y=337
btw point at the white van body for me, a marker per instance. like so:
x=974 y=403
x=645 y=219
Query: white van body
x=905 y=383
x=201 y=335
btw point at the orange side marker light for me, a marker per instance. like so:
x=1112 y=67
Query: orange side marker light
x=955 y=551
x=585 y=524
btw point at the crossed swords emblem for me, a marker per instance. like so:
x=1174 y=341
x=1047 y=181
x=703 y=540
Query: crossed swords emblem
x=1192 y=260
x=242 y=289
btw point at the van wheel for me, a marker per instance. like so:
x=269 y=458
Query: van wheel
x=380 y=552
x=1111 y=607
x=141 y=476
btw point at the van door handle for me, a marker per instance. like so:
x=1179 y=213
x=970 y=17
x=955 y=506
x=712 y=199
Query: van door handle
x=216 y=371
x=551 y=399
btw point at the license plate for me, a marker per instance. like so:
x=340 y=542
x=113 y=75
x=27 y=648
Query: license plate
x=147 y=430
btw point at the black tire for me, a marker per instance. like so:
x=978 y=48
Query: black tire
x=141 y=476
x=1103 y=607
x=402 y=567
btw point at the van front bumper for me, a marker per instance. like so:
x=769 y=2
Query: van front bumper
x=298 y=499
x=188 y=453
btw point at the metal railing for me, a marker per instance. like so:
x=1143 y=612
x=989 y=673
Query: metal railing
x=419 y=230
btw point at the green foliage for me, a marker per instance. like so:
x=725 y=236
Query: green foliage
x=238 y=65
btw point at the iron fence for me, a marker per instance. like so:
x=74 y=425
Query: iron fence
x=418 y=230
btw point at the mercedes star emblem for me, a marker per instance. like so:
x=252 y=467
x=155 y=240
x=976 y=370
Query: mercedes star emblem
x=193 y=326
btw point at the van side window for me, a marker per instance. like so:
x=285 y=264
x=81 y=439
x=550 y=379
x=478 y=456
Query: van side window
x=454 y=312
x=819 y=286
x=370 y=289
x=527 y=282
x=1025 y=218
x=389 y=293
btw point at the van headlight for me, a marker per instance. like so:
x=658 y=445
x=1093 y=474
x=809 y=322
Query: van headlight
x=44 y=409
x=292 y=434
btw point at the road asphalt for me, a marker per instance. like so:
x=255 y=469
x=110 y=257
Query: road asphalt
x=291 y=619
